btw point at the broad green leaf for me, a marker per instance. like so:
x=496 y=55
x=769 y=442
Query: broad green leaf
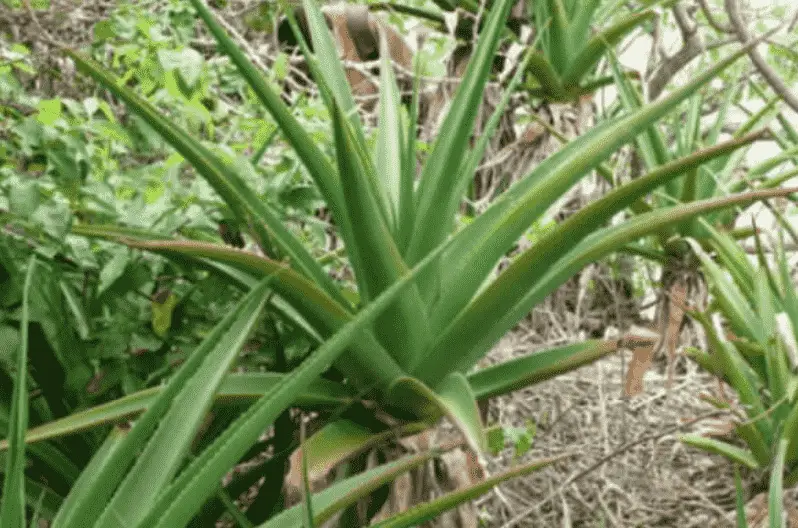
x=403 y=327
x=179 y=502
x=169 y=444
x=432 y=509
x=12 y=509
x=731 y=452
x=536 y=367
x=440 y=170
x=112 y=473
x=248 y=386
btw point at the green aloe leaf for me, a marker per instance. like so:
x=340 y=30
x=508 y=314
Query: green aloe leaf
x=742 y=521
x=596 y=47
x=481 y=244
x=453 y=398
x=481 y=324
x=330 y=67
x=348 y=491
x=12 y=510
x=319 y=167
x=537 y=367
x=83 y=489
x=370 y=362
x=560 y=44
x=440 y=170
x=169 y=445
x=403 y=327
x=113 y=472
x=245 y=386
x=432 y=509
x=734 y=305
x=731 y=452
x=776 y=489
x=390 y=141
x=179 y=502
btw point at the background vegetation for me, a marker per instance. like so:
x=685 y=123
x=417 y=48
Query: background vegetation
x=260 y=263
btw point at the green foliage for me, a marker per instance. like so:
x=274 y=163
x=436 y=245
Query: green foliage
x=138 y=311
x=760 y=305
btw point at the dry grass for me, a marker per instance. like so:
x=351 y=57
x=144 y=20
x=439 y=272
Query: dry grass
x=629 y=468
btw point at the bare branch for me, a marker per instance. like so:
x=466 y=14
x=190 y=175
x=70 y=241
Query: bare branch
x=714 y=22
x=776 y=83
x=691 y=48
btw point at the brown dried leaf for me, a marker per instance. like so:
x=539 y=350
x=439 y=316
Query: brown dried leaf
x=642 y=342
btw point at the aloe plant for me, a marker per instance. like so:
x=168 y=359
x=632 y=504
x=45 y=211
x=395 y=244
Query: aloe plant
x=758 y=359
x=427 y=308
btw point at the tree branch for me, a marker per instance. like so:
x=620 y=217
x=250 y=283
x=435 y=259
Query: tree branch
x=691 y=48
x=770 y=75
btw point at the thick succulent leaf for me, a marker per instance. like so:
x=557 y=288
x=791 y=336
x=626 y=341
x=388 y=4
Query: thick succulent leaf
x=432 y=509
x=330 y=67
x=312 y=157
x=83 y=489
x=579 y=29
x=348 y=491
x=390 y=141
x=545 y=74
x=12 y=510
x=742 y=520
x=169 y=445
x=734 y=259
x=537 y=367
x=734 y=305
x=370 y=363
x=534 y=263
x=776 y=488
x=439 y=174
x=180 y=501
x=482 y=243
x=112 y=473
x=651 y=144
x=740 y=375
x=481 y=324
x=596 y=47
x=336 y=442
x=403 y=327
x=791 y=434
x=731 y=452
x=222 y=177
x=236 y=387
x=560 y=45
x=453 y=397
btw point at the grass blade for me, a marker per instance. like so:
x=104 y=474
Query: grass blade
x=12 y=510
x=432 y=509
x=169 y=445
x=114 y=470
x=197 y=482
